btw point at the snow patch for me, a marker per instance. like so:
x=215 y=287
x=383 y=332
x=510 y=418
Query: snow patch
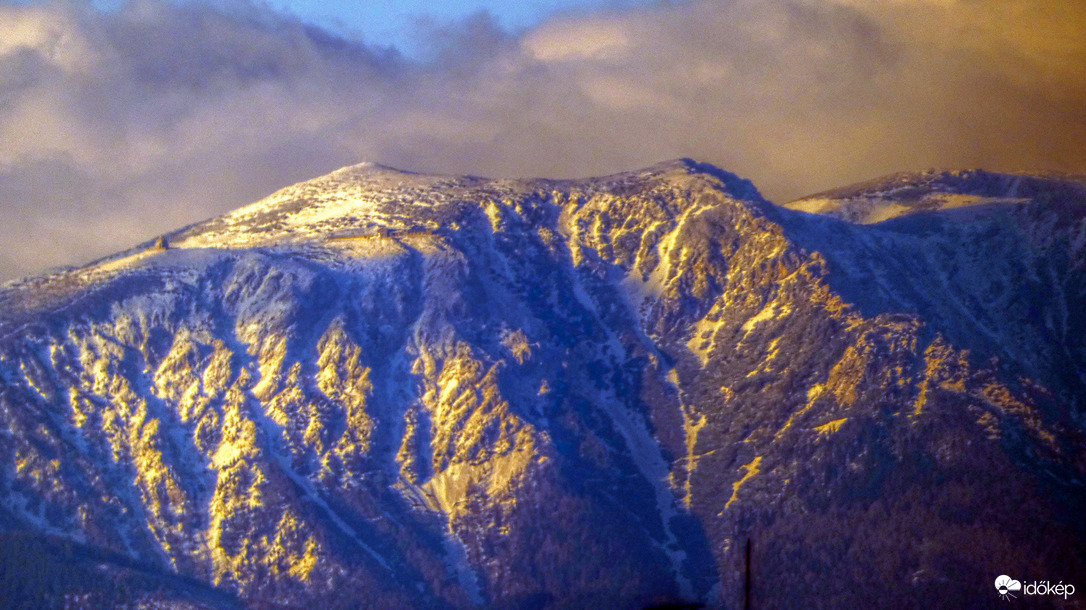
x=750 y=470
x=831 y=427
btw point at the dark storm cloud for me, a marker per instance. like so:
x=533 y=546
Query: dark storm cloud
x=118 y=126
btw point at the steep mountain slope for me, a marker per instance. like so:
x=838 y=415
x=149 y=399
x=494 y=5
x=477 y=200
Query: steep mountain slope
x=384 y=389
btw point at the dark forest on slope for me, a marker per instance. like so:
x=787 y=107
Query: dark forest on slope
x=384 y=389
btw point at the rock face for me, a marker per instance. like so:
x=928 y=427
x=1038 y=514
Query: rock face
x=383 y=389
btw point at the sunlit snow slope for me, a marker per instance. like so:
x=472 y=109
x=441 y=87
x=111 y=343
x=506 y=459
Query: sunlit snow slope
x=384 y=389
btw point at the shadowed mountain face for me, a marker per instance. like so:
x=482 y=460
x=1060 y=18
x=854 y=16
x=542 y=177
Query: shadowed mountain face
x=382 y=389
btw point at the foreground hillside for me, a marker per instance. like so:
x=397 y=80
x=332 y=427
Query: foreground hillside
x=383 y=389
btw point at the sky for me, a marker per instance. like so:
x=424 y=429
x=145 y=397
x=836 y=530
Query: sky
x=398 y=22
x=121 y=120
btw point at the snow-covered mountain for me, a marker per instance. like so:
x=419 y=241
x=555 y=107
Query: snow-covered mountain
x=383 y=389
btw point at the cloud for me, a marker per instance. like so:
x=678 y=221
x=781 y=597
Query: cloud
x=1005 y=583
x=120 y=125
x=583 y=40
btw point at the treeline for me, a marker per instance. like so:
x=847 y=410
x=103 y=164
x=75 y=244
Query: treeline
x=39 y=572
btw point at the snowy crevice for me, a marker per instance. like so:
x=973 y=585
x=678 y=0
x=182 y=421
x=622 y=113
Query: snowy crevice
x=645 y=450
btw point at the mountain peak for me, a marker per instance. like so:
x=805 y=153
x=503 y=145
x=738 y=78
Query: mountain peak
x=411 y=391
x=374 y=166
x=366 y=197
x=931 y=190
x=371 y=168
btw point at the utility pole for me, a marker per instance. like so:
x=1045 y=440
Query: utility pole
x=746 y=584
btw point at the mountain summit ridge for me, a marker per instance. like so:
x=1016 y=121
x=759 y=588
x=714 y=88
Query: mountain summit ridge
x=370 y=186
x=900 y=194
x=387 y=389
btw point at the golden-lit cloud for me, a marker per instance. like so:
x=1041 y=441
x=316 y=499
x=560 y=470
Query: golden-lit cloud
x=117 y=126
x=593 y=40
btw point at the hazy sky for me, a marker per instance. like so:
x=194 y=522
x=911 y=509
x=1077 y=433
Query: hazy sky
x=397 y=22
x=122 y=120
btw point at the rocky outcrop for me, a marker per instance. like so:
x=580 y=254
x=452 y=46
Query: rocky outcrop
x=386 y=390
